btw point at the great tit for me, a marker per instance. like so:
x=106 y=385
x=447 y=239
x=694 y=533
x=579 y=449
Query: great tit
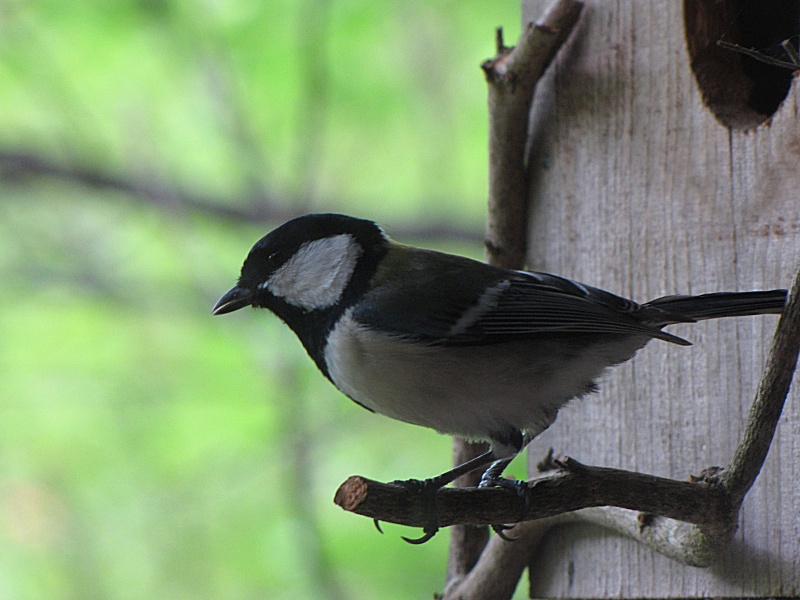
x=451 y=343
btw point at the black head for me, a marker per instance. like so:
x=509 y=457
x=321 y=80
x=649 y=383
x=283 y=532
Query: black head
x=307 y=263
x=308 y=271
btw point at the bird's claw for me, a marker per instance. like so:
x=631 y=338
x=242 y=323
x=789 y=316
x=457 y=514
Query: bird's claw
x=515 y=485
x=428 y=532
x=427 y=488
x=500 y=531
x=520 y=487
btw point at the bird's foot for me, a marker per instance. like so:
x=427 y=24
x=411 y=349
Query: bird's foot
x=427 y=489
x=521 y=488
x=500 y=530
x=489 y=480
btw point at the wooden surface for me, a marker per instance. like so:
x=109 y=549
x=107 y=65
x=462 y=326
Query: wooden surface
x=643 y=192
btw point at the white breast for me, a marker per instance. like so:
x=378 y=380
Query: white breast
x=471 y=391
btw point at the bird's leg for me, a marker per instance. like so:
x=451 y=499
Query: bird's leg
x=468 y=467
x=428 y=488
x=493 y=477
x=509 y=446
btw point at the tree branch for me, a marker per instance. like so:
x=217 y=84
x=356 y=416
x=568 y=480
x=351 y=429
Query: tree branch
x=574 y=487
x=500 y=566
x=466 y=541
x=767 y=406
x=512 y=76
x=678 y=540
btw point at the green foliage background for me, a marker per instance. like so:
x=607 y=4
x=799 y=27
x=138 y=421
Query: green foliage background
x=148 y=450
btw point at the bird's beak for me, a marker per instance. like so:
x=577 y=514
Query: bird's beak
x=234 y=299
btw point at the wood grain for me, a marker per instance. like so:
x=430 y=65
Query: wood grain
x=640 y=190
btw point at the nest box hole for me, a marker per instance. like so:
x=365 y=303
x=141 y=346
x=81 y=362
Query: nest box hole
x=742 y=91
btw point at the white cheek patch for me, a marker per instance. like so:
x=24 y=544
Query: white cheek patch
x=316 y=276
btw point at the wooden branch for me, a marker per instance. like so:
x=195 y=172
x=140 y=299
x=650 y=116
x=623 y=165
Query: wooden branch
x=767 y=406
x=685 y=542
x=466 y=541
x=512 y=76
x=579 y=486
x=500 y=566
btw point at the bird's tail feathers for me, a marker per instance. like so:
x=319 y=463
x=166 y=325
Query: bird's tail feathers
x=678 y=309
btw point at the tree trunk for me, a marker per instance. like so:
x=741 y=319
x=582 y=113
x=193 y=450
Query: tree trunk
x=652 y=176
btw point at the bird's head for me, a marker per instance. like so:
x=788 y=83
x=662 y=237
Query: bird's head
x=311 y=263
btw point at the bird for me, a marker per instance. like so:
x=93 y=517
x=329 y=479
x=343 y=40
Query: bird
x=450 y=343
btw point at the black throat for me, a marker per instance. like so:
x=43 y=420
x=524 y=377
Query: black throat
x=313 y=327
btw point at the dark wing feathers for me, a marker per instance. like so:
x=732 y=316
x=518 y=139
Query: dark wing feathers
x=538 y=303
x=486 y=305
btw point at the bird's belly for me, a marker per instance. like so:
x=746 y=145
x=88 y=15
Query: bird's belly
x=471 y=391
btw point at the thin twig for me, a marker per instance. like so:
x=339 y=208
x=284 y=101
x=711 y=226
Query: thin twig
x=789 y=48
x=760 y=56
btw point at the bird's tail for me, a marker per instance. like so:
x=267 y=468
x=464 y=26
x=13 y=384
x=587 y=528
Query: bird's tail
x=678 y=309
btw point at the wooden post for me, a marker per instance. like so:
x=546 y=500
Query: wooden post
x=650 y=179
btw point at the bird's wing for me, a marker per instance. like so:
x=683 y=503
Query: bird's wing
x=540 y=303
x=465 y=306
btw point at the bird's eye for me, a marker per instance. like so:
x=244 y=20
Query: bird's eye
x=274 y=258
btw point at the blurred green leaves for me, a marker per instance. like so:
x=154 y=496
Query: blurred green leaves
x=241 y=98
x=146 y=448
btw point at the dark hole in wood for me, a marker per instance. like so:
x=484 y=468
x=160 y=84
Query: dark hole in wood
x=741 y=91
